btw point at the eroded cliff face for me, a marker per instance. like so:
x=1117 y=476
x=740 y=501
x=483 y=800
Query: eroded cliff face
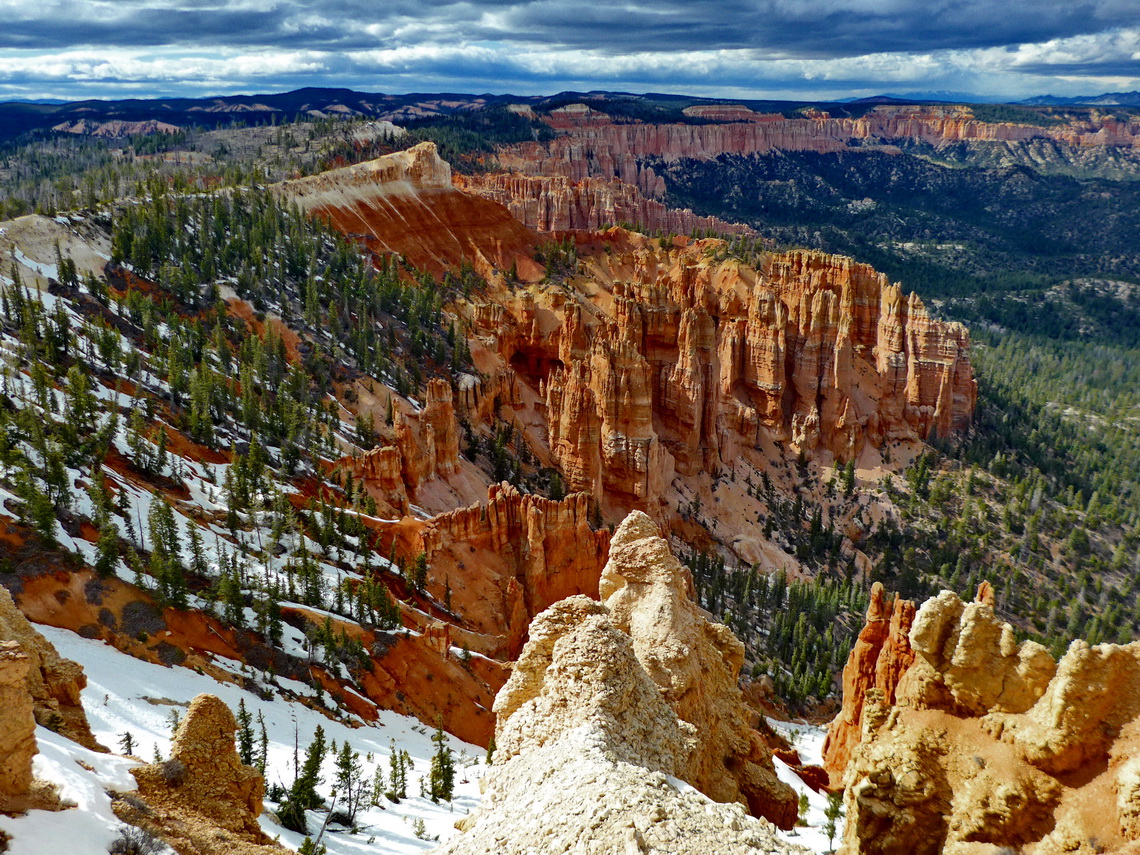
x=590 y=734
x=992 y=743
x=53 y=683
x=558 y=204
x=510 y=558
x=37 y=686
x=590 y=145
x=17 y=726
x=664 y=361
x=877 y=662
x=404 y=203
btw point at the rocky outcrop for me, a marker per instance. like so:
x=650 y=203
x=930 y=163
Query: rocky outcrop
x=115 y=128
x=588 y=755
x=507 y=560
x=969 y=663
x=17 y=726
x=671 y=361
x=431 y=448
x=881 y=655
x=382 y=473
x=589 y=145
x=991 y=742
x=53 y=683
x=19 y=789
x=202 y=799
x=557 y=204
x=695 y=663
x=404 y=203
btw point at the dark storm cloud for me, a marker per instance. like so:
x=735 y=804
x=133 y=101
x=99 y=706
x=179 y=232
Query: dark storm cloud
x=115 y=47
x=815 y=28
x=804 y=28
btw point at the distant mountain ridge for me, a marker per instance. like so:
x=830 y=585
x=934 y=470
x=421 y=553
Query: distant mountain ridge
x=1107 y=99
x=19 y=117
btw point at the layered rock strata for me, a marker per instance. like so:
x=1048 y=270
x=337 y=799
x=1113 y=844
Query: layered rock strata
x=508 y=559
x=992 y=746
x=672 y=361
x=433 y=449
x=404 y=203
x=591 y=744
x=381 y=471
x=590 y=145
x=557 y=204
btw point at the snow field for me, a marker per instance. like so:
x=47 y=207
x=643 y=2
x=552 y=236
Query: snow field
x=126 y=695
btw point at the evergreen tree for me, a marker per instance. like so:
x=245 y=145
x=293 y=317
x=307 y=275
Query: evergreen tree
x=262 y=758
x=245 y=734
x=350 y=781
x=441 y=781
x=832 y=813
x=303 y=794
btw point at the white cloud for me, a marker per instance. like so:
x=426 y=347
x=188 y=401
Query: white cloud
x=404 y=52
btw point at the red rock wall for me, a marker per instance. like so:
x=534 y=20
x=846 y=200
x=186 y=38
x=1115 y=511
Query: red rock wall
x=404 y=203
x=879 y=659
x=555 y=203
x=589 y=145
x=509 y=559
x=682 y=360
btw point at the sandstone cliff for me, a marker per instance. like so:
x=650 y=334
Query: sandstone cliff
x=53 y=683
x=17 y=726
x=555 y=204
x=381 y=470
x=671 y=362
x=992 y=744
x=880 y=657
x=404 y=203
x=590 y=741
x=203 y=800
x=589 y=145
x=512 y=557
x=433 y=449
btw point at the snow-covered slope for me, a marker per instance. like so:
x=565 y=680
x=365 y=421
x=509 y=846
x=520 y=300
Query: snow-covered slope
x=124 y=695
x=807 y=739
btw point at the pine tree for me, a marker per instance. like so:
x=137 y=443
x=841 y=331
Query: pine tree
x=832 y=813
x=398 y=764
x=127 y=742
x=442 y=776
x=350 y=781
x=245 y=734
x=262 y=758
x=303 y=794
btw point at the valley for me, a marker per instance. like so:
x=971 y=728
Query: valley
x=507 y=420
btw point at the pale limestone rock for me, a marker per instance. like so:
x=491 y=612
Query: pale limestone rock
x=587 y=750
x=1128 y=798
x=993 y=749
x=1095 y=693
x=695 y=663
x=968 y=661
x=17 y=724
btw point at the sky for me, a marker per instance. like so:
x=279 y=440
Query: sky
x=796 y=49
